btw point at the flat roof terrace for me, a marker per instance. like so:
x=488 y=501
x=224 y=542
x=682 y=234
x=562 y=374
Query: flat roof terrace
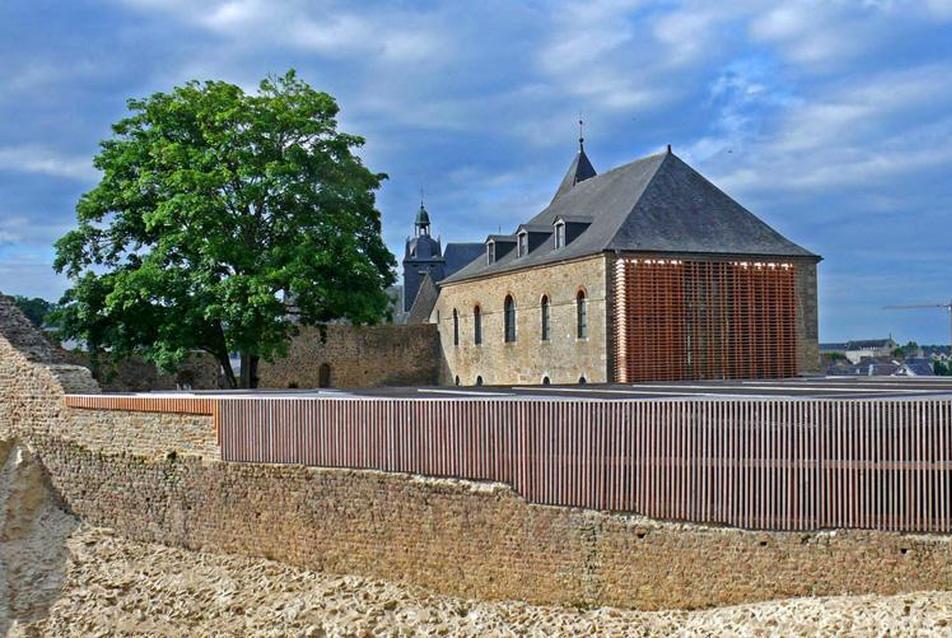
x=842 y=388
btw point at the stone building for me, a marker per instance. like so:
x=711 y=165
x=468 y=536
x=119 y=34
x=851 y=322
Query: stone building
x=646 y=272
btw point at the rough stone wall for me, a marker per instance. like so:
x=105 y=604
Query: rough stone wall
x=477 y=540
x=200 y=372
x=563 y=358
x=808 y=334
x=145 y=434
x=358 y=356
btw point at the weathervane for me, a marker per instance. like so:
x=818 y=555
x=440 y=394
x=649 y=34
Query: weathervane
x=581 y=132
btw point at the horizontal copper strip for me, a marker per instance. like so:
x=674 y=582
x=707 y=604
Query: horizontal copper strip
x=177 y=405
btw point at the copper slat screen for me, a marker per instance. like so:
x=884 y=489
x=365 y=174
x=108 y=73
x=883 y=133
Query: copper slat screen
x=679 y=320
x=758 y=464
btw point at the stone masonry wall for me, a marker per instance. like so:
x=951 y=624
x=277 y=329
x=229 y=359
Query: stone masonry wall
x=474 y=540
x=808 y=333
x=456 y=537
x=358 y=356
x=563 y=358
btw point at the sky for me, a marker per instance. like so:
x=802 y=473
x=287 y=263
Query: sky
x=832 y=121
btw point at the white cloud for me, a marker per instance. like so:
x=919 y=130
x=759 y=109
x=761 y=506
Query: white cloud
x=45 y=161
x=6 y=237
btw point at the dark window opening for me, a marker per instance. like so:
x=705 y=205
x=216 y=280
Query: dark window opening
x=324 y=376
x=455 y=327
x=544 y=306
x=545 y=380
x=479 y=380
x=582 y=380
x=581 y=315
x=457 y=379
x=477 y=325
x=509 y=319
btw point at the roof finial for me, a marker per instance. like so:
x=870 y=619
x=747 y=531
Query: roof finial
x=421 y=198
x=581 y=131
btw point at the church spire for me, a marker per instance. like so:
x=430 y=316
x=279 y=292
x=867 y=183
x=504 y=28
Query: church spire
x=580 y=169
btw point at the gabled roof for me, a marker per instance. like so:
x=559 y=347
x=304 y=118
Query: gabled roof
x=425 y=301
x=654 y=204
x=580 y=170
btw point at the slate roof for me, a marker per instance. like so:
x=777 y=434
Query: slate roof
x=424 y=302
x=458 y=255
x=869 y=344
x=654 y=204
x=580 y=170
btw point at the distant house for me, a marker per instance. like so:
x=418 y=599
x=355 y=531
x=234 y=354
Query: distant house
x=915 y=368
x=856 y=351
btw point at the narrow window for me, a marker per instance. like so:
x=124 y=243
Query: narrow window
x=545 y=317
x=479 y=380
x=509 y=318
x=477 y=326
x=582 y=380
x=559 y=235
x=581 y=315
x=490 y=252
x=455 y=327
x=457 y=379
x=523 y=244
x=545 y=381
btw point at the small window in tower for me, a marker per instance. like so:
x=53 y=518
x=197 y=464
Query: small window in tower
x=490 y=252
x=523 y=246
x=560 y=235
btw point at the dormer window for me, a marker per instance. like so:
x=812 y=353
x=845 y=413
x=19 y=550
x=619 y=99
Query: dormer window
x=490 y=252
x=522 y=247
x=560 y=234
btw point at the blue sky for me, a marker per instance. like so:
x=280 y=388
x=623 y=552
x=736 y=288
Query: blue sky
x=830 y=120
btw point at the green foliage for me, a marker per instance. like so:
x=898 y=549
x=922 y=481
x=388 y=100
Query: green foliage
x=942 y=369
x=214 y=208
x=37 y=310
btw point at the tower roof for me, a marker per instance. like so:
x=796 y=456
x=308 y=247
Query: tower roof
x=422 y=217
x=580 y=170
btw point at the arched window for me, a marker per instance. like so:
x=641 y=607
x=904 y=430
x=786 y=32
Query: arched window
x=544 y=308
x=582 y=380
x=457 y=379
x=455 y=327
x=479 y=380
x=581 y=315
x=477 y=325
x=545 y=381
x=509 y=319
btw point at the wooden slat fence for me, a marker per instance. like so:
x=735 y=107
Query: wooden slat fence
x=759 y=464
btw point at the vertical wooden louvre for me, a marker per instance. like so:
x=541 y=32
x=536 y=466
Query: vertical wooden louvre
x=691 y=320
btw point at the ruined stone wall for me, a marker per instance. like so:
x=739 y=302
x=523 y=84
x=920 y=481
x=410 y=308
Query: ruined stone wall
x=474 y=540
x=357 y=357
x=200 y=371
x=563 y=358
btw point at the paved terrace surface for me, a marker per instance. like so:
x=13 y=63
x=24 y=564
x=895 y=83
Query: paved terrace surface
x=845 y=388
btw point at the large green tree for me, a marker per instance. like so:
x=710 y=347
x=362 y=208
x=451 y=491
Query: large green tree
x=221 y=220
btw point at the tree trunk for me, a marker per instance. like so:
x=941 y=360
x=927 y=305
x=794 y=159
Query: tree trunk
x=231 y=382
x=249 y=371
